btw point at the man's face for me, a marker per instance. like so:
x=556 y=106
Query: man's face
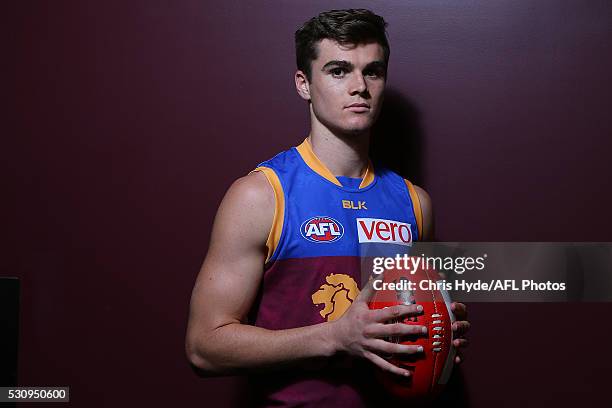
x=346 y=87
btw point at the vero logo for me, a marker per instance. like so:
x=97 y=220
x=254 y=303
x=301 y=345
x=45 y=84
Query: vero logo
x=383 y=231
x=322 y=229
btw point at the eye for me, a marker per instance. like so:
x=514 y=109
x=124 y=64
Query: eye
x=337 y=72
x=374 y=74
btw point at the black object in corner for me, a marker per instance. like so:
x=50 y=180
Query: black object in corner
x=9 y=327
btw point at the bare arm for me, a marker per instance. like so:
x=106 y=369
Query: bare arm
x=426 y=209
x=218 y=339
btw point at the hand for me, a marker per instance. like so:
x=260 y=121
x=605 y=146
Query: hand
x=460 y=327
x=360 y=330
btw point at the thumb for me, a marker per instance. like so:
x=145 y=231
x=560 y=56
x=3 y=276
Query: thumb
x=367 y=292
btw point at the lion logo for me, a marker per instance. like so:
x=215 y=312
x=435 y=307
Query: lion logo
x=337 y=295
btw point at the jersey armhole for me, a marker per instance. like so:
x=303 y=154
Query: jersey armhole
x=279 y=210
x=416 y=207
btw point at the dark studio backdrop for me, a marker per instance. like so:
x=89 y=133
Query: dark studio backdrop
x=127 y=121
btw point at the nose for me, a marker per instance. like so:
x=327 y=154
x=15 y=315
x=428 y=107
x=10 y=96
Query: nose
x=358 y=85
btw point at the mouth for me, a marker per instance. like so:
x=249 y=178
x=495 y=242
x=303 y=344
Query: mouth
x=358 y=107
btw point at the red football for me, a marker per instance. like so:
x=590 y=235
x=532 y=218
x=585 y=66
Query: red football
x=430 y=369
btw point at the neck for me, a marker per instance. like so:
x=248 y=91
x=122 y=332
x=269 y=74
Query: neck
x=344 y=155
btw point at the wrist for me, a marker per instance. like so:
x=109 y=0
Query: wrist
x=333 y=338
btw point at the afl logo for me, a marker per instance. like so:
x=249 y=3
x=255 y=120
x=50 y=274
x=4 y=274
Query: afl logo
x=321 y=229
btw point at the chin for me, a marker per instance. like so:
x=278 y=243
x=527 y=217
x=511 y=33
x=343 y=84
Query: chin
x=359 y=127
x=355 y=131
x=351 y=126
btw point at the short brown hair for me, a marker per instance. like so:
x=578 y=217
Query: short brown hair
x=352 y=26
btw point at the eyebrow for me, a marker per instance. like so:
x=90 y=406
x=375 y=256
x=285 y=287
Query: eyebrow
x=377 y=65
x=349 y=66
x=337 y=63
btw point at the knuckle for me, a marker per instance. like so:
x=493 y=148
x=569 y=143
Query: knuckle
x=391 y=368
x=463 y=326
x=378 y=314
x=363 y=315
x=387 y=347
x=394 y=348
x=396 y=329
x=413 y=329
x=369 y=332
x=387 y=366
x=410 y=349
x=402 y=348
x=417 y=349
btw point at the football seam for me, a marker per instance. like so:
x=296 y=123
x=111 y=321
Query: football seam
x=435 y=355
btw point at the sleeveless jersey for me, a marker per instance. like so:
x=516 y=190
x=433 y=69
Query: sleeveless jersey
x=321 y=231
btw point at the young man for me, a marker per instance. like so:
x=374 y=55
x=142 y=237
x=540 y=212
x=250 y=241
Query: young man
x=279 y=289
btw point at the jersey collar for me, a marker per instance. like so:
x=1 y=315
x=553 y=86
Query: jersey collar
x=309 y=157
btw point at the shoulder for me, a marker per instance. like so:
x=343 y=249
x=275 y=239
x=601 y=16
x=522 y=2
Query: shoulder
x=424 y=198
x=253 y=189
x=427 y=211
x=247 y=210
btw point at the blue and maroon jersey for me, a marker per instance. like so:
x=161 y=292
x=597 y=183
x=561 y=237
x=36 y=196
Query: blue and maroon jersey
x=322 y=229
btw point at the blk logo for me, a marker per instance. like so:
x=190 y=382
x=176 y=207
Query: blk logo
x=360 y=205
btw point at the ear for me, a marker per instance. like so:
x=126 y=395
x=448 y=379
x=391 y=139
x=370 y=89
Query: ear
x=302 y=85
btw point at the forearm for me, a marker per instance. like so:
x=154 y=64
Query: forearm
x=238 y=348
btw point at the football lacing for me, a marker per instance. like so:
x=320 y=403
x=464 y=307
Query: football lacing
x=437 y=336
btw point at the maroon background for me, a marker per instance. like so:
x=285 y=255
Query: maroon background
x=127 y=121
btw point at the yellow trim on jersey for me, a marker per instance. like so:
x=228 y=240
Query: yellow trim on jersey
x=368 y=177
x=416 y=205
x=279 y=210
x=305 y=150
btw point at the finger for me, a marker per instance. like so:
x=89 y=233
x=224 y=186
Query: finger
x=366 y=292
x=461 y=327
x=385 y=365
x=384 y=347
x=460 y=310
x=458 y=359
x=394 y=312
x=394 y=330
x=460 y=343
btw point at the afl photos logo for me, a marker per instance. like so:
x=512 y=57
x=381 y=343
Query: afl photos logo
x=321 y=229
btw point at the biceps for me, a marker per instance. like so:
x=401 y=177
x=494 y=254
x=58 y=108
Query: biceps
x=230 y=276
x=225 y=289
